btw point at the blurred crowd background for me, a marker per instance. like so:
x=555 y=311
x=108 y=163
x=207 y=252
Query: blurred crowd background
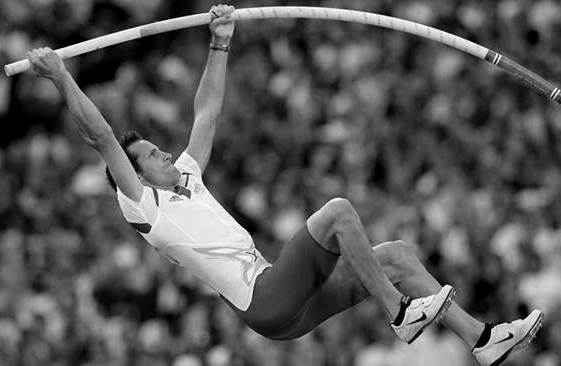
x=432 y=145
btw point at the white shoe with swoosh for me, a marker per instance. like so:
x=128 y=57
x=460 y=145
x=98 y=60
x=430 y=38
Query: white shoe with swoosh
x=422 y=312
x=507 y=338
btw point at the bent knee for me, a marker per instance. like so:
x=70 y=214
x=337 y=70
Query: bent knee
x=339 y=206
x=398 y=259
x=331 y=218
x=342 y=213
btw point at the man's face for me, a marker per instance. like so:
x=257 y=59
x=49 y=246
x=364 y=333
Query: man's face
x=155 y=166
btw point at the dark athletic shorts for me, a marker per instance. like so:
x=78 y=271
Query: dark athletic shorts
x=282 y=292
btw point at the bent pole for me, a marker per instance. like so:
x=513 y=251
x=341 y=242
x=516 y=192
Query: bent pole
x=530 y=78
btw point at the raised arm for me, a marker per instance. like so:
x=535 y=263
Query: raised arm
x=93 y=128
x=210 y=94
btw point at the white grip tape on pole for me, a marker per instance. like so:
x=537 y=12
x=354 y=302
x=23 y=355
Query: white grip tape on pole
x=264 y=13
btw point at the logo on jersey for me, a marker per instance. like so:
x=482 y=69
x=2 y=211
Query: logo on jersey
x=198 y=188
x=175 y=198
x=247 y=258
x=253 y=254
x=188 y=186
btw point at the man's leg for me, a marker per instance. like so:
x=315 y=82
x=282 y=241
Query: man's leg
x=340 y=292
x=491 y=345
x=406 y=271
x=283 y=292
x=413 y=279
x=338 y=219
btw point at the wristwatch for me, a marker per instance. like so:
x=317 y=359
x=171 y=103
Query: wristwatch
x=219 y=47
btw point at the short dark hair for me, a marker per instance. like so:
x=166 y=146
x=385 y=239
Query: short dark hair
x=125 y=139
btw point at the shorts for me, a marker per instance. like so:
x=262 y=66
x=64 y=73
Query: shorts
x=282 y=291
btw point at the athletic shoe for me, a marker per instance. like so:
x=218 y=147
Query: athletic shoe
x=507 y=338
x=422 y=312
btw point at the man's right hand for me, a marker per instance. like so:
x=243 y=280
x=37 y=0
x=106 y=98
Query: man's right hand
x=46 y=63
x=221 y=23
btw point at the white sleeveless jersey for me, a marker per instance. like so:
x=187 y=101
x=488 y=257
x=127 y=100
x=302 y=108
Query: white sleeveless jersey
x=194 y=231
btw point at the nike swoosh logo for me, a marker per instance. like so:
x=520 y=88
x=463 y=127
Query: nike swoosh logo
x=510 y=336
x=421 y=318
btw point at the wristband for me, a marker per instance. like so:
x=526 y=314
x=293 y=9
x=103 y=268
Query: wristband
x=220 y=47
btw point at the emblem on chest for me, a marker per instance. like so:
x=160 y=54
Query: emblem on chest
x=186 y=189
